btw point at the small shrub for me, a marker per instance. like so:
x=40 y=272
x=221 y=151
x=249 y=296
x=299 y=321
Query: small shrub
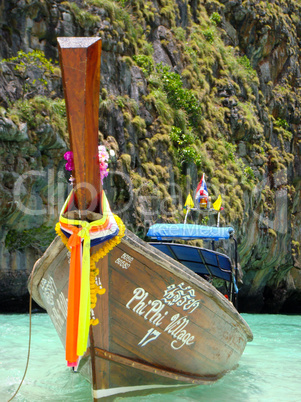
x=245 y=62
x=159 y=100
x=209 y=35
x=179 y=97
x=215 y=18
x=184 y=150
x=248 y=172
x=24 y=63
x=83 y=17
x=40 y=108
x=139 y=124
x=146 y=63
x=231 y=148
x=281 y=123
x=180 y=33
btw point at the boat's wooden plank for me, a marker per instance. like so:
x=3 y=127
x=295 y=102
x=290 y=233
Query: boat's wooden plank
x=158 y=370
x=208 y=352
x=80 y=63
x=213 y=297
x=143 y=272
x=144 y=266
x=126 y=327
x=169 y=264
x=186 y=359
x=101 y=331
x=53 y=290
x=125 y=376
x=42 y=265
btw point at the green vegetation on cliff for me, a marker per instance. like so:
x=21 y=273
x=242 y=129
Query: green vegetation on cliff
x=187 y=88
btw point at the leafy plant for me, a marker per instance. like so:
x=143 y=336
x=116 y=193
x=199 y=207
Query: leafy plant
x=209 y=35
x=281 y=123
x=231 y=148
x=245 y=62
x=248 y=172
x=146 y=63
x=24 y=63
x=179 y=97
x=215 y=18
x=83 y=17
x=39 y=109
x=205 y=220
x=183 y=142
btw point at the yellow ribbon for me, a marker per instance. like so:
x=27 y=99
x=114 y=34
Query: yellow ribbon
x=85 y=296
x=88 y=267
x=85 y=301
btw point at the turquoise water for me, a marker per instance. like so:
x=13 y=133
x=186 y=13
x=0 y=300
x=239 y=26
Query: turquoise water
x=269 y=370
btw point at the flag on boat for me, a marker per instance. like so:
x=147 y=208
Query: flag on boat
x=202 y=191
x=218 y=203
x=188 y=204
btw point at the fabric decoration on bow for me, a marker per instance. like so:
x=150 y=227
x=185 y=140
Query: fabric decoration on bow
x=82 y=235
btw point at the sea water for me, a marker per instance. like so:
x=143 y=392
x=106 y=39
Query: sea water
x=269 y=369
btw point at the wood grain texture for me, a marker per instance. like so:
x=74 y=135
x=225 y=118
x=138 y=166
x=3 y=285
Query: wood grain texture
x=220 y=332
x=101 y=331
x=210 y=354
x=147 y=368
x=80 y=63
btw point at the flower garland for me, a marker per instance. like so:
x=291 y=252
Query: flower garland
x=107 y=246
x=70 y=163
x=103 y=156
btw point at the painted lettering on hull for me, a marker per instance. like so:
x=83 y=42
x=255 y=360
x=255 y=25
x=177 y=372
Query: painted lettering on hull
x=56 y=302
x=182 y=296
x=156 y=312
x=124 y=261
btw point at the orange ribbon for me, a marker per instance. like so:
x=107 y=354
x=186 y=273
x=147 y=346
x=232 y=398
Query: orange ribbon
x=74 y=243
x=79 y=292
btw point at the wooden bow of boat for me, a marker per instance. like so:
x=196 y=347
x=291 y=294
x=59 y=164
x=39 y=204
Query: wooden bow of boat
x=80 y=64
x=160 y=325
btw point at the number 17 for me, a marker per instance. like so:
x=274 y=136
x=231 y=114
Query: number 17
x=154 y=336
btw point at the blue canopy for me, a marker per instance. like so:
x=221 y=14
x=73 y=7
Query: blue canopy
x=181 y=231
x=199 y=260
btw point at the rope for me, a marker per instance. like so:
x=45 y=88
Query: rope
x=29 y=338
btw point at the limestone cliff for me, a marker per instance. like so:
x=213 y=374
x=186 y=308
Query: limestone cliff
x=187 y=87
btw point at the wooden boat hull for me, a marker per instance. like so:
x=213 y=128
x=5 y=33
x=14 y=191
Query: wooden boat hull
x=160 y=325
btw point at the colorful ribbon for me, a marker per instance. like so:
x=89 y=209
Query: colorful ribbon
x=82 y=235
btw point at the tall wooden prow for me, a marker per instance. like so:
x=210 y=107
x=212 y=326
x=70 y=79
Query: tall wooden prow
x=80 y=64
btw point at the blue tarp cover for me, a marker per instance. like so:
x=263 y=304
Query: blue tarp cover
x=168 y=231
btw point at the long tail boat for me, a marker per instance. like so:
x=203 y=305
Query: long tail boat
x=131 y=317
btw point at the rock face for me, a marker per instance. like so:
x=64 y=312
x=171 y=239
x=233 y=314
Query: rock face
x=227 y=103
